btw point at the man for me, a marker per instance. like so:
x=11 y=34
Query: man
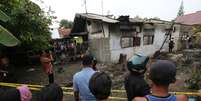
x=81 y=81
x=134 y=83
x=162 y=73
x=100 y=85
x=6 y=70
x=171 y=45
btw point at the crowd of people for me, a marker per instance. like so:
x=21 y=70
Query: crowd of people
x=67 y=50
x=89 y=84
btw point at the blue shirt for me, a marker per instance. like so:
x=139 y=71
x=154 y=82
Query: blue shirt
x=81 y=84
x=155 y=98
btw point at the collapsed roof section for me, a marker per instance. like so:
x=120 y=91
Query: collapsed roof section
x=81 y=19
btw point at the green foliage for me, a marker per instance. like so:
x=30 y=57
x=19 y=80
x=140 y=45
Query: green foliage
x=28 y=22
x=3 y=16
x=66 y=23
x=197 y=29
x=181 y=9
x=7 y=39
x=195 y=81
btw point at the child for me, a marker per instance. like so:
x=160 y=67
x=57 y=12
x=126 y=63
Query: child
x=25 y=93
x=21 y=93
x=162 y=74
x=100 y=86
x=135 y=85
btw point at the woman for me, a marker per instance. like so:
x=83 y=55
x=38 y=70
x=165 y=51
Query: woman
x=46 y=61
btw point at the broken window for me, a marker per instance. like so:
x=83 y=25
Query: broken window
x=96 y=27
x=126 y=42
x=136 y=41
x=129 y=39
x=148 y=37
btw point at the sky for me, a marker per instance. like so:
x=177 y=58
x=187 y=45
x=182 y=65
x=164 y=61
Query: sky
x=163 y=9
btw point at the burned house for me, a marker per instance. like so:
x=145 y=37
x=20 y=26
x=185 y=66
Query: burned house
x=108 y=38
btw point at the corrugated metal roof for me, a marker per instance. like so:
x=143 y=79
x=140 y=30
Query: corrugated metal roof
x=190 y=19
x=136 y=20
x=97 y=17
x=157 y=21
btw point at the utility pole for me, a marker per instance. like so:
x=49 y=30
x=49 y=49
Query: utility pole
x=102 y=6
x=85 y=4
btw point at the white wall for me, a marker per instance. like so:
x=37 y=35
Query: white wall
x=148 y=50
x=113 y=47
x=116 y=50
x=99 y=42
x=177 y=36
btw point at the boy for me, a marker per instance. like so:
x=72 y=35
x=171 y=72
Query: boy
x=100 y=86
x=162 y=74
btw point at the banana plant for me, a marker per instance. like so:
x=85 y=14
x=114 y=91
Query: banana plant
x=6 y=37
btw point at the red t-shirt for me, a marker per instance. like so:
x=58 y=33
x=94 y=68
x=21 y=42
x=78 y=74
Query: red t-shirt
x=47 y=65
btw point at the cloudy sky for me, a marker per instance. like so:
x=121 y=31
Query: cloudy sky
x=164 y=9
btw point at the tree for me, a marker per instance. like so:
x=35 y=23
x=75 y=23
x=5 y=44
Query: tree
x=65 y=23
x=181 y=9
x=28 y=22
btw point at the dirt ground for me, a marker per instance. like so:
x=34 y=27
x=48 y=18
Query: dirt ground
x=36 y=75
x=116 y=72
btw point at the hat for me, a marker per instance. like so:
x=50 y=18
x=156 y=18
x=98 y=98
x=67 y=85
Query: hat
x=100 y=85
x=137 y=64
x=163 y=72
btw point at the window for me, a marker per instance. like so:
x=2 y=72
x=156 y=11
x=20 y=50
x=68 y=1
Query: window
x=126 y=42
x=96 y=27
x=129 y=41
x=136 y=41
x=148 y=37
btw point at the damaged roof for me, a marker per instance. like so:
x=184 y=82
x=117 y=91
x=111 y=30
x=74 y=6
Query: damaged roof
x=190 y=19
x=97 y=17
x=157 y=21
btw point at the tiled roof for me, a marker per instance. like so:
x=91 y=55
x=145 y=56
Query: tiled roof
x=190 y=19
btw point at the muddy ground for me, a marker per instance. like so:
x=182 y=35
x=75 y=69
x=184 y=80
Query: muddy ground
x=116 y=72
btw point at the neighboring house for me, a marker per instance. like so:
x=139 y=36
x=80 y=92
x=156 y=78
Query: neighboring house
x=64 y=32
x=192 y=19
x=108 y=37
x=188 y=22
